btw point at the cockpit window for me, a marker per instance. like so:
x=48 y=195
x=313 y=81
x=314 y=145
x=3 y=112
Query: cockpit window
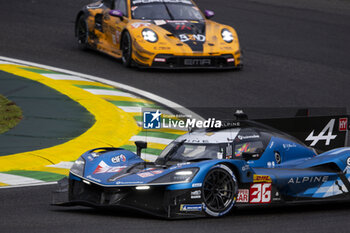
x=183 y=152
x=252 y=146
x=165 y=10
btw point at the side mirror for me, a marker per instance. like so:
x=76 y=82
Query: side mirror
x=209 y=14
x=140 y=145
x=116 y=13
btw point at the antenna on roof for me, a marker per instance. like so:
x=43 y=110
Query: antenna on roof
x=240 y=115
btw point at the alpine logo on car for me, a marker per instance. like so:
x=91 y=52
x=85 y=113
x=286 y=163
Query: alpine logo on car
x=321 y=136
x=307 y=179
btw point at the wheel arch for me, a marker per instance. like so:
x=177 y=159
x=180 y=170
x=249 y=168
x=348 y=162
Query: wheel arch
x=234 y=169
x=81 y=12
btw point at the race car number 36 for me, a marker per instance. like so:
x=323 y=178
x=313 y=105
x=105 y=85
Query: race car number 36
x=260 y=193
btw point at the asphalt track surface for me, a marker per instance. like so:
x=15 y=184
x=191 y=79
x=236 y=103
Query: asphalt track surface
x=296 y=55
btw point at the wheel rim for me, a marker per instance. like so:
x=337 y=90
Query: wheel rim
x=218 y=190
x=126 y=48
x=81 y=31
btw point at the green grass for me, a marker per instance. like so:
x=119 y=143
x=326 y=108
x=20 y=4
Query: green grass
x=10 y=114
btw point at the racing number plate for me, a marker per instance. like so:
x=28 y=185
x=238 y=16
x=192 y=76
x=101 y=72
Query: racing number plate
x=260 y=193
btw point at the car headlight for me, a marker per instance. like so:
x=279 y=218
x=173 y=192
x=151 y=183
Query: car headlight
x=227 y=36
x=149 y=35
x=78 y=167
x=178 y=176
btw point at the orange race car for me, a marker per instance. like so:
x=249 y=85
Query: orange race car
x=158 y=33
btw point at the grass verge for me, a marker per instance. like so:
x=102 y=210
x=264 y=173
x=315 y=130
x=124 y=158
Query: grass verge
x=10 y=114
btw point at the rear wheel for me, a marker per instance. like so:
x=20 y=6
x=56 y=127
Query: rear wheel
x=219 y=190
x=81 y=32
x=126 y=48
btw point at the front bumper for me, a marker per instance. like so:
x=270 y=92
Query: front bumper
x=157 y=201
x=169 y=61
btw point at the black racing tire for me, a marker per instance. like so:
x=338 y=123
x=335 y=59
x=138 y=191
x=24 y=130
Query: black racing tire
x=81 y=32
x=126 y=47
x=220 y=188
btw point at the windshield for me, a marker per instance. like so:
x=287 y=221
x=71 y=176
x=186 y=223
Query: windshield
x=166 y=11
x=183 y=152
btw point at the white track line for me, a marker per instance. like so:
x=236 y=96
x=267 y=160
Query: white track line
x=63 y=77
x=17 y=180
x=28 y=185
x=140 y=92
x=63 y=165
x=109 y=92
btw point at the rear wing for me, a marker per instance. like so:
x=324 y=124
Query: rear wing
x=322 y=133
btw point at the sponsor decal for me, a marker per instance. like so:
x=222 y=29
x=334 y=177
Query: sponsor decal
x=191 y=207
x=137 y=25
x=150 y=172
x=128 y=183
x=197 y=62
x=241 y=137
x=260 y=193
x=183 y=27
x=277 y=197
x=104 y=168
x=261 y=178
x=196 y=194
x=271 y=164
x=322 y=135
x=308 y=179
x=271 y=145
x=154 y=120
x=177 y=21
x=95 y=155
x=156 y=172
x=145 y=174
x=159 y=22
x=348 y=161
x=343 y=124
x=118 y=159
x=90 y=158
x=287 y=146
x=193 y=37
x=245 y=167
x=243 y=196
x=196 y=185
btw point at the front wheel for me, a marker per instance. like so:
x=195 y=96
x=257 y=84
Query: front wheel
x=220 y=188
x=126 y=48
x=81 y=32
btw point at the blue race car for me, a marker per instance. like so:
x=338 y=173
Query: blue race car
x=207 y=172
